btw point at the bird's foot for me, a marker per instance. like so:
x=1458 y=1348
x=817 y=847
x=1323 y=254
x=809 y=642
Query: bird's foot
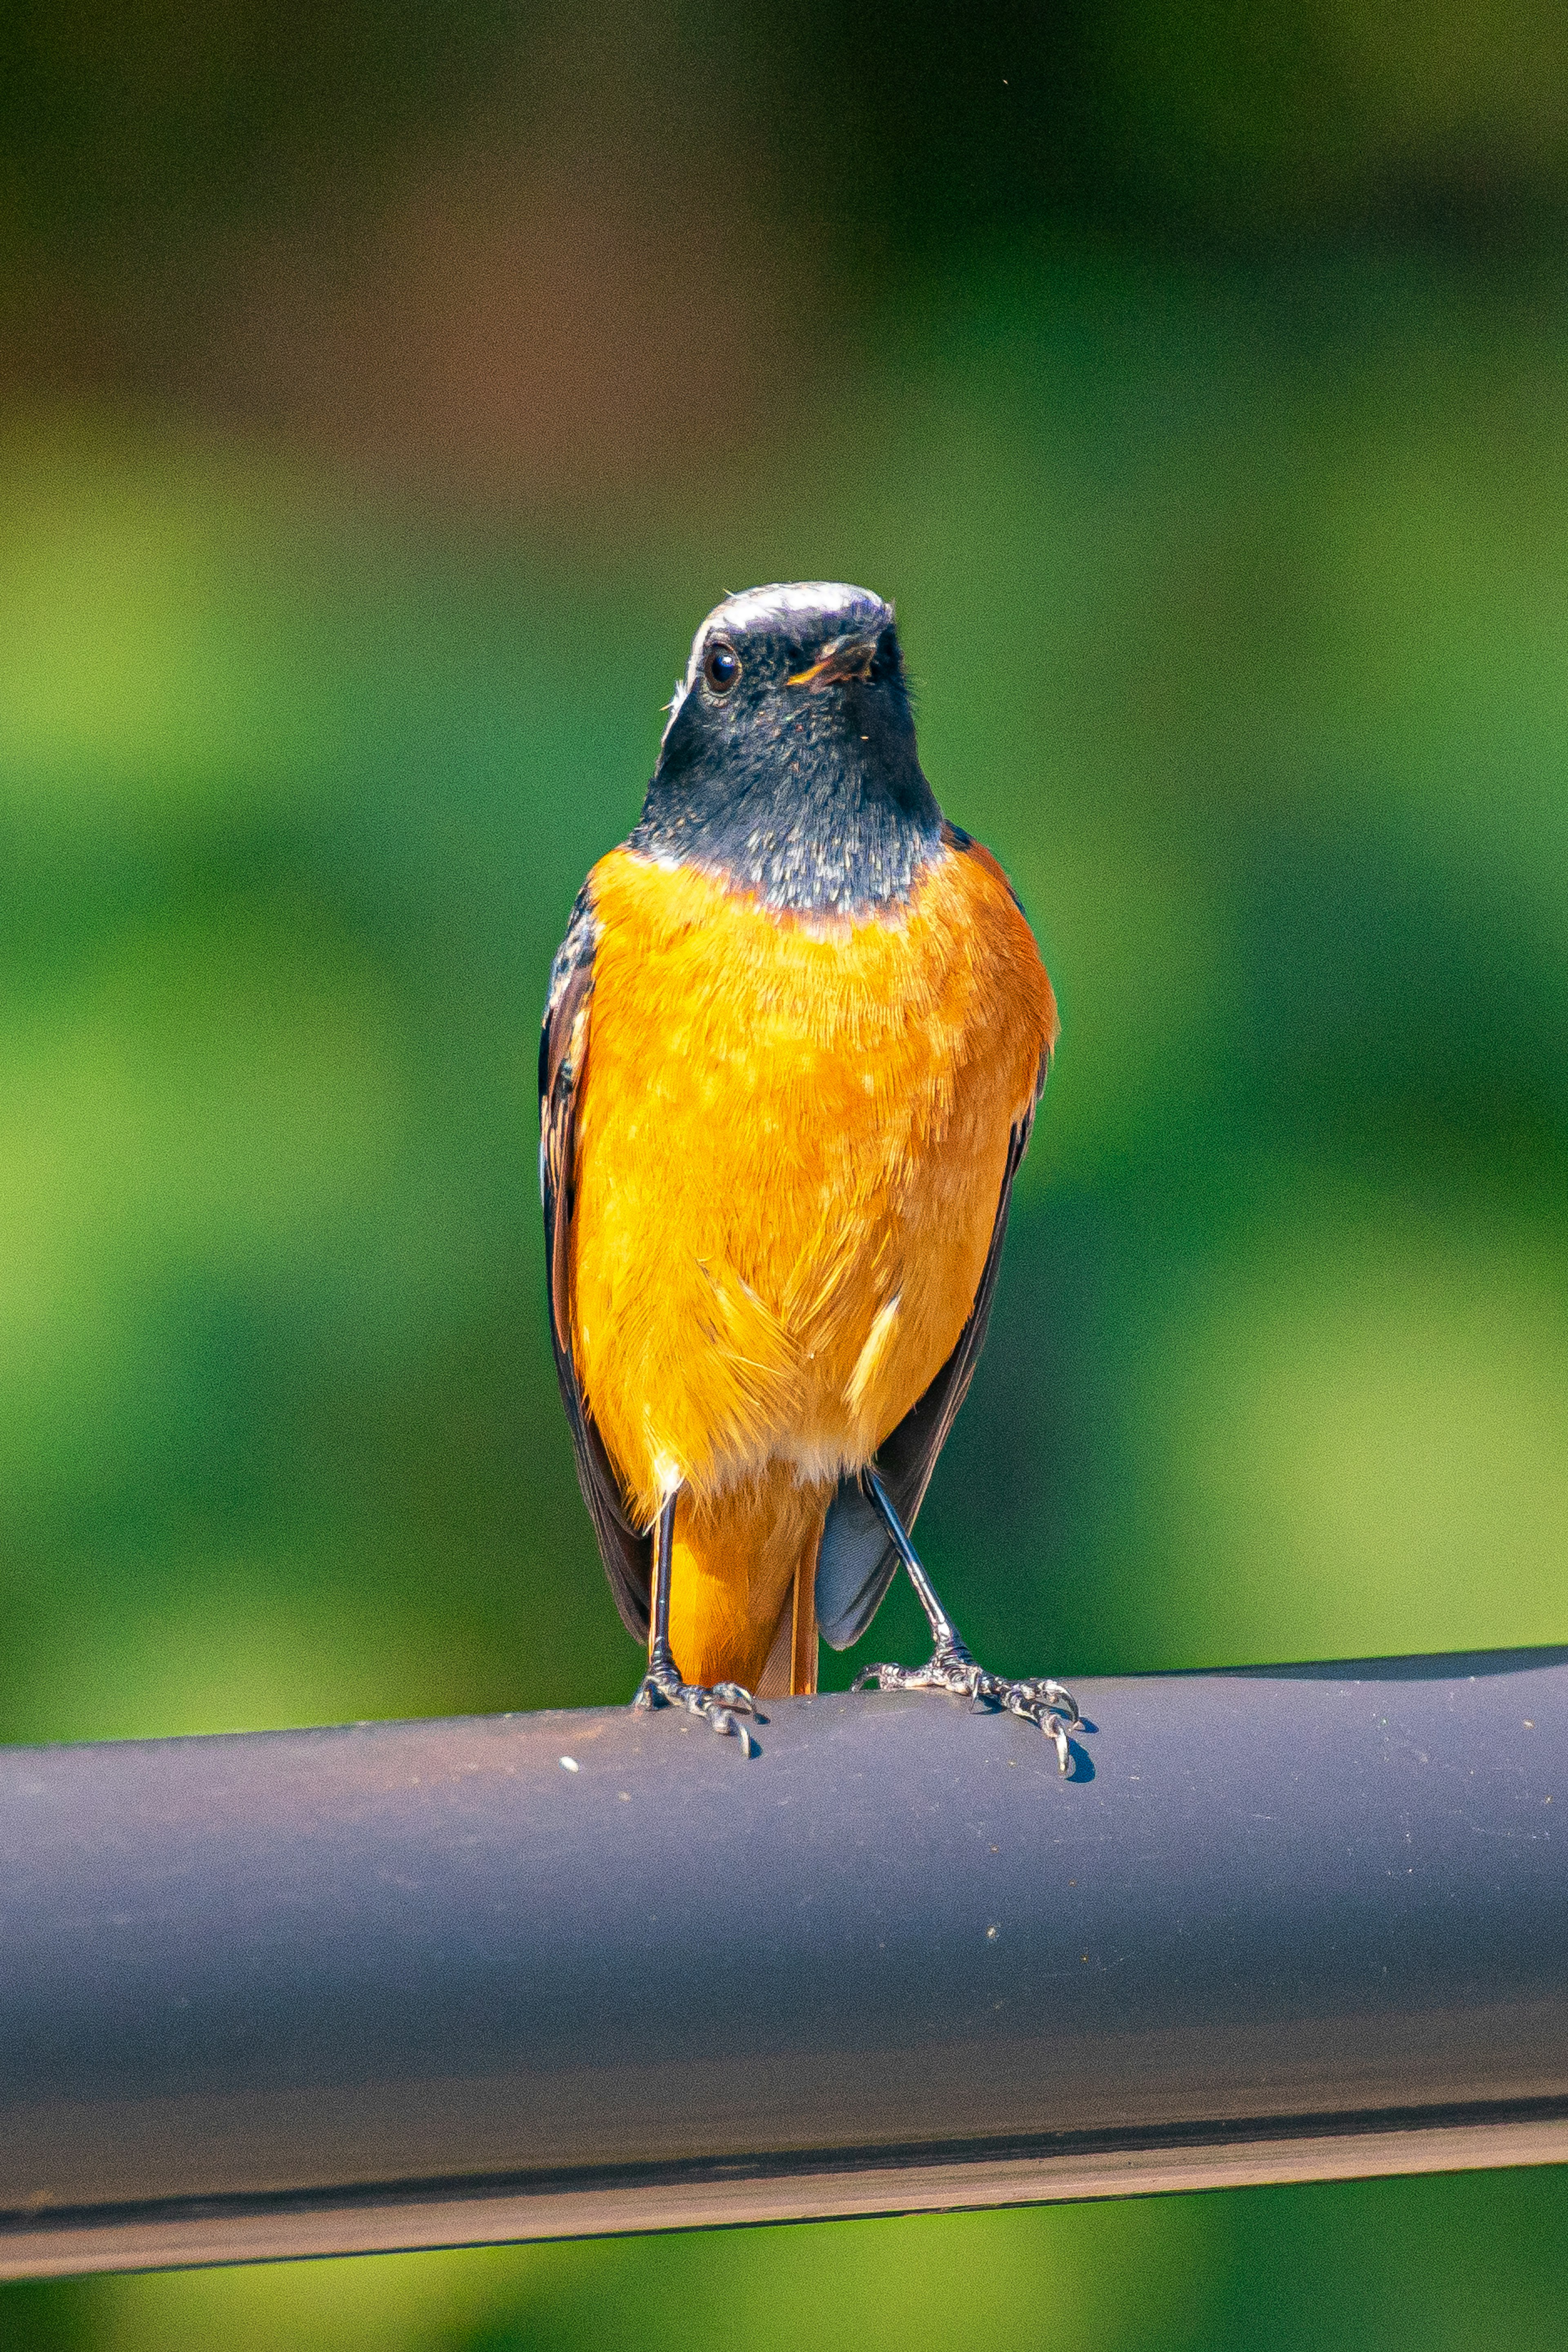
x=723 y=1705
x=1037 y=1699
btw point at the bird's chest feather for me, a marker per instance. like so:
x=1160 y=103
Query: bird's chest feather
x=790 y=1150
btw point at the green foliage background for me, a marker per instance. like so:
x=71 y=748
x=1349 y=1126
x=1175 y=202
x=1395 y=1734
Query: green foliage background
x=1210 y=439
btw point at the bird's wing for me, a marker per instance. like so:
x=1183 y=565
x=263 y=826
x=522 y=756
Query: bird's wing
x=855 y=1563
x=563 y=1054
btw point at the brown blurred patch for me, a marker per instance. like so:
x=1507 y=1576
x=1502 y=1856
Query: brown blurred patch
x=502 y=328
x=516 y=330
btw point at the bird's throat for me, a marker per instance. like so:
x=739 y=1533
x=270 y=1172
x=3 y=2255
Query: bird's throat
x=819 y=835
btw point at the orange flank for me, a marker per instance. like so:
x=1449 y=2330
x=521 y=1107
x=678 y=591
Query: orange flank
x=791 y=1139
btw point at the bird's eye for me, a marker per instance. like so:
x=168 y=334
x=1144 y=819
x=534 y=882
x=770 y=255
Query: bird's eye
x=721 y=667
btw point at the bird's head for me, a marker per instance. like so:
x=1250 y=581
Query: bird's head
x=809 y=657
x=789 y=764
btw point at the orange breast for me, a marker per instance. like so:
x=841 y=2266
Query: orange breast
x=791 y=1144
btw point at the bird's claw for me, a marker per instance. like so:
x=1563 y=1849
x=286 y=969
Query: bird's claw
x=722 y=1705
x=1036 y=1700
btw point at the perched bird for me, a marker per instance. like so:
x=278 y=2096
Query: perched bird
x=795 y=1038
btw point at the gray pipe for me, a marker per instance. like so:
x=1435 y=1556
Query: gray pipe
x=423 y=1984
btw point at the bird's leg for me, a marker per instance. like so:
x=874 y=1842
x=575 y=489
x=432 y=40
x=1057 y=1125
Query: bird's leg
x=725 y=1703
x=951 y=1666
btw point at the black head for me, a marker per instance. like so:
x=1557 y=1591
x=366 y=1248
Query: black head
x=789 y=764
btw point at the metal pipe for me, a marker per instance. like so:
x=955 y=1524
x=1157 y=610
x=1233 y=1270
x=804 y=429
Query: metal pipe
x=437 y=1983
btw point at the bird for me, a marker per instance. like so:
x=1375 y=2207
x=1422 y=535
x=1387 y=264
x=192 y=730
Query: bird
x=793 y=1044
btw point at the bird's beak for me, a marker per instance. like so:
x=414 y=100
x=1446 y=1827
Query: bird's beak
x=848 y=656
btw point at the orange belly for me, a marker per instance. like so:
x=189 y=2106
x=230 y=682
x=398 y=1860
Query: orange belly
x=790 y=1142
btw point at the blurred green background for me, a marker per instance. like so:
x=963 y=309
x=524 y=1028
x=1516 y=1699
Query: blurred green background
x=385 y=393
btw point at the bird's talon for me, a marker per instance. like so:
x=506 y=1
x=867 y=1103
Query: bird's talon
x=1036 y=1699
x=1051 y=1696
x=720 y=1707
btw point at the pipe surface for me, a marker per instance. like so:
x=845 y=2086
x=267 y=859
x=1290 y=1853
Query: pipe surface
x=423 y=1984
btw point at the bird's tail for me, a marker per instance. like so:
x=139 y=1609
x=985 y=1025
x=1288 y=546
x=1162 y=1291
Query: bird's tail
x=742 y=1605
x=790 y=1670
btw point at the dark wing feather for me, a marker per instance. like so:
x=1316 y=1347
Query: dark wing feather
x=855 y=1563
x=563 y=1048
